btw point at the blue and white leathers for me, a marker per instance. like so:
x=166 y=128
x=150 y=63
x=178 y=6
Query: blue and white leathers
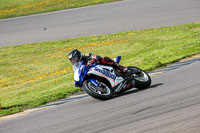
x=107 y=72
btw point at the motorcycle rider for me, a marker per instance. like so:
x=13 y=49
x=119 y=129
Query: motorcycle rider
x=76 y=56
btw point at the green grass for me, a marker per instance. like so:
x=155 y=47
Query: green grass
x=34 y=74
x=14 y=8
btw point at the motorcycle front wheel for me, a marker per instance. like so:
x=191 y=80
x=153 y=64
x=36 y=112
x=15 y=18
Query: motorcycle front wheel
x=101 y=92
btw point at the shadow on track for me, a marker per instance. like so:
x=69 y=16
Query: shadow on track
x=155 y=85
x=134 y=90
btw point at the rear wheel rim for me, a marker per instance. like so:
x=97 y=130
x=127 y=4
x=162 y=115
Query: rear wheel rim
x=143 y=77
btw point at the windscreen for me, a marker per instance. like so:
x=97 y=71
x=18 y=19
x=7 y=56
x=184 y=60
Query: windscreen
x=76 y=65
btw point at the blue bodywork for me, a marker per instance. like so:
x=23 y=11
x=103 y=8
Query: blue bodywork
x=83 y=70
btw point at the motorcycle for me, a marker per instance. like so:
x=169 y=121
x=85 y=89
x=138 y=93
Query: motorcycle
x=103 y=82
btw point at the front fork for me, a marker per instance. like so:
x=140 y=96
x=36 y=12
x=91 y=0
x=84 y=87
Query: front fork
x=96 y=83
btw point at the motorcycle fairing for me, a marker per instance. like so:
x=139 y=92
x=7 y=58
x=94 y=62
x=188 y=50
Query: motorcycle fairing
x=81 y=72
x=99 y=70
x=106 y=72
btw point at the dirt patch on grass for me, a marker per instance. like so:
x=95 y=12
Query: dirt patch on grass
x=192 y=57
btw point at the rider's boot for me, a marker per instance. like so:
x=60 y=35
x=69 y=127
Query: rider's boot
x=121 y=68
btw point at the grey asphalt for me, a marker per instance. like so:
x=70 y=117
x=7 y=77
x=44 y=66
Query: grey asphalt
x=170 y=105
x=99 y=19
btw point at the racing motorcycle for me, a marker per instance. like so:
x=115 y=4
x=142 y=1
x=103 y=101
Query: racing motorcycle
x=102 y=82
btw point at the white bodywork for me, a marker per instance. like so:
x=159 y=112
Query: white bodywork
x=76 y=76
x=106 y=72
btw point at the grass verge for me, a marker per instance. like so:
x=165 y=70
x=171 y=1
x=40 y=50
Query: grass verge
x=14 y=8
x=34 y=74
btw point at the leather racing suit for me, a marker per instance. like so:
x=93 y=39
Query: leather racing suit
x=91 y=58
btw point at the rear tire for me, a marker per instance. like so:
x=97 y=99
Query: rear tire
x=143 y=80
x=95 y=92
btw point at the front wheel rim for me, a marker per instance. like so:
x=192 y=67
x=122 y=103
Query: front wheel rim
x=99 y=91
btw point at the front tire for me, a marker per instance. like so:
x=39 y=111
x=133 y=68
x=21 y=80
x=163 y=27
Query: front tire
x=102 y=92
x=142 y=80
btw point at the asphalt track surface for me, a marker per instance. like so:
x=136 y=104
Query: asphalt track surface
x=170 y=105
x=100 y=19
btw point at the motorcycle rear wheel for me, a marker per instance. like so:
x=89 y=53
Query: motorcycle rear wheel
x=142 y=80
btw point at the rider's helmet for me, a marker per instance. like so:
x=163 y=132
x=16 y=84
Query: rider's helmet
x=75 y=56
